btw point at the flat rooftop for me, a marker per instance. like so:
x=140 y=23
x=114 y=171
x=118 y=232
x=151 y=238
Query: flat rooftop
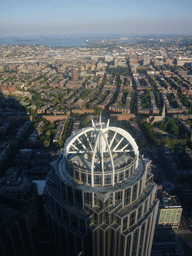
x=167 y=201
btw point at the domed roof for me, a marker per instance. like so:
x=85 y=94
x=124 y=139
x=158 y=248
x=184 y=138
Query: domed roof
x=101 y=149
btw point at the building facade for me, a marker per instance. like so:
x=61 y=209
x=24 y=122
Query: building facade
x=170 y=211
x=100 y=196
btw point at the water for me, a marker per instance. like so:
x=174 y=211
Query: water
x=44 y=40
x=57 y=40
x=76 y=40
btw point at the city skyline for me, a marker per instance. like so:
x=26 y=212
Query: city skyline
x=44 y=18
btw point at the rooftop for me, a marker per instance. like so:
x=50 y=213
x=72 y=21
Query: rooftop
x=167 y=201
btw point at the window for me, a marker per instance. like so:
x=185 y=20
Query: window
x=108 y=243
x=95 y=199
x=107 y=179
x=97 y=179
x=121 y=176
x=150 y=200
x=87 y=198
x=118 y=197
x=145 y=207
x=101 y=238
x=135 y=242
x=125 y=224
x=127 y=196
x=113 y=218
x=89 y=178
x=122 y=245
x=134 y=196
x=83 y=177
x=115 y=178
x=77 y=175
x=141 y=238
x=131 y=170
x=132 y=219
x=140 y=185
x=128 y=245
x=147 y=234
x=139 y=212
x=127 y=173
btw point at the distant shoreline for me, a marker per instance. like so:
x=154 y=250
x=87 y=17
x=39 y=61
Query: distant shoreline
x=60 y=42
x=80 y=40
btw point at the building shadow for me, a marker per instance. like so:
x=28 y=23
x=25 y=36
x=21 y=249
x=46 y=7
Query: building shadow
x=24 y=164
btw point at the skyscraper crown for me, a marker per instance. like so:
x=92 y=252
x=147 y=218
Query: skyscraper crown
x=101 y=151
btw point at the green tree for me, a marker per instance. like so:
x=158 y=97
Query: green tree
x=33 y=113
x=53 y=131
x=38 y=103
x=31 y=101
x=48 y=133
x=97 y=110
x=172 y=127
x=60 y=143
x=51 y=126
x=84 y=121
x=46 y=143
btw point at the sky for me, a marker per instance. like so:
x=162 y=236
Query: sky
x=48 y=17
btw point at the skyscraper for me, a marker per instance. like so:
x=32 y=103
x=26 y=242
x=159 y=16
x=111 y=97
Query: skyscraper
x=100 y=196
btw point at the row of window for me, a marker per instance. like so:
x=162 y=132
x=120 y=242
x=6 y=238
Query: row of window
x=111 y=242
x=137 y=214
x=76 y=196
x=128 y=196
x=138 y=241
x=108 y=242
x=69 y=218
x=85 y=177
